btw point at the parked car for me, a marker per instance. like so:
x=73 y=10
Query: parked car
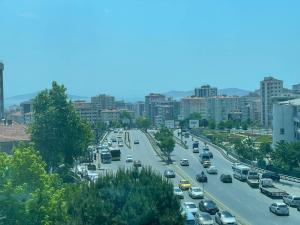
x=190 y=207
x=136 y=142
x=226 y=178
x=212 y=170
x=202 y=178
x=184 y=162
x=204 y=219
x=178 y=192
x=271 y=175
x=196 y=192
x=208 y=206
x=225 y=217
x=169 y=173
x=279 y=208
x=129 y=158
x=184 y=184
x=137 y=163
x=291 y=200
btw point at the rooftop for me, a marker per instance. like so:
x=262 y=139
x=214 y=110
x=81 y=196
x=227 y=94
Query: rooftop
x=295 y=102
x=14 y=132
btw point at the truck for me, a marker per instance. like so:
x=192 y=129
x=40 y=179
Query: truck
x=267 y=188
x=106 y=157
x=253 y=179
x=115 y=154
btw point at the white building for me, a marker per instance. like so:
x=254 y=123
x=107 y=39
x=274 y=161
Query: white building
x=286 y=121
x=191 y=104
x=269 y=87
x=87 y=111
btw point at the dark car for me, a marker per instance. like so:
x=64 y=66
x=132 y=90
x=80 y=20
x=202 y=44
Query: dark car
x=137 y=163
x=169 y=173
x=209 y=153
x=271 y=175
x=202 y=178
x=226 y=178
x=208 y=206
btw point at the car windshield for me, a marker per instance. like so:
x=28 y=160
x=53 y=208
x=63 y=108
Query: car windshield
x=227 y=215
x=191 y=205
x=205 y=217
x=196 y=189
x=282 y=206
x=185 y=182
x=210 y=204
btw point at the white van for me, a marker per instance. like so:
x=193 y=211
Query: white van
x=241 y=172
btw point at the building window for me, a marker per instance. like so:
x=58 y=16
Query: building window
x=282 y=131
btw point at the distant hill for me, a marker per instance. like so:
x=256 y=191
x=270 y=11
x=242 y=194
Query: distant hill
x=225 y=91
x=16 y=100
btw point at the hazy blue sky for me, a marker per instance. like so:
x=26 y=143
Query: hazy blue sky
x=132 y=47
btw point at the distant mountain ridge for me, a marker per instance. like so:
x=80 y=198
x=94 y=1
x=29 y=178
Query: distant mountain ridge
x=225 y=91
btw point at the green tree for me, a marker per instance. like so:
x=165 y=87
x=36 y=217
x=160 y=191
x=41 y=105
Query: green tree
x=127 y=197
x=286 y=155
x=143 y=123
x=212 y=124
x=57 y=131
x=126 y=118
x=166 y=142
x=221 y=125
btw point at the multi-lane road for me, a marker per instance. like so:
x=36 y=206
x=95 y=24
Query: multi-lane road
x=249 y=205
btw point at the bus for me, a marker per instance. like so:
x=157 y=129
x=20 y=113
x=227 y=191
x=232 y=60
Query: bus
x=105 y=157
x=241 y=172
x=115 y=154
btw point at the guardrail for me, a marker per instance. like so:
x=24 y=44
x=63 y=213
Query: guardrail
x=232 y=159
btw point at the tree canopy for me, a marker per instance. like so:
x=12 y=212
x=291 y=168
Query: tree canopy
x=165 y=141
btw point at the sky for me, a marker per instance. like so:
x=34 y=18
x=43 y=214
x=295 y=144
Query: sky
x=128 y=48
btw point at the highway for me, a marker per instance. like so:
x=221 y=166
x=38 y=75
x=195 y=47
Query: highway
x=249 y=205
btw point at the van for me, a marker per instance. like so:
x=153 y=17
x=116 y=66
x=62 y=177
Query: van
x=291 y=200
x=241 y=172
x=204 y=157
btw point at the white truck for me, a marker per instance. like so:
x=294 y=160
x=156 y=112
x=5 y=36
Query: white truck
x=267 y=187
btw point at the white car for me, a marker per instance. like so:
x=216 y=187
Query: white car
x=196 y=192
x=184 y=162
x=291 y=200
x=225 y=217
x=212 y=170
x=190 y=207
x=129 y=158
x=204 y=219
x=120 y=144
x=279 y=208
x=178 y=192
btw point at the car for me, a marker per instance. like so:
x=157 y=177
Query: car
x=279 y=208
x=178 y=192
x=120 y=144
x=235 y=165
x=184 y=184
x=137 y=163
x=226 y=178
x=225 y=217
x=189 y=217
x=201 y=178
x=206 y=164
x=136 y=142
x=169 y=173
x=196 y=192
x=190 y=207
x=212 y=170
x=291 y=200
x=208 y=153
x=204 y=219
x=205 y=148
x=113 y=140
x=129 y=158
x=208 y=206
x=271 y=175
x=184 y=162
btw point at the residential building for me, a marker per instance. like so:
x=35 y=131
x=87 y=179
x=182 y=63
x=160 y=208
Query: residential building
x=1 y=91
x=250 y=106
x=296 y=89
x=151 y=101
x=103 y=101
x=139 y=109
x=286 y=121
x=192 y=104
x=87 y=111
x=269 y=87
x=110 y=115
x=206 y=91
x=27 y=111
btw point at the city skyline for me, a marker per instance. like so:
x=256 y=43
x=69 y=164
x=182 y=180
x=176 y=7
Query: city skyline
x=104 y=47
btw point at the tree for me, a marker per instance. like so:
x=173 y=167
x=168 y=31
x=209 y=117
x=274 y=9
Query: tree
x=57 y=131
x=126 y=118
x=143 y=123
x=212 y=124
x=244 y=126
x=221 y=125
x=165 y=141
x=287 y=155
x=127 y=197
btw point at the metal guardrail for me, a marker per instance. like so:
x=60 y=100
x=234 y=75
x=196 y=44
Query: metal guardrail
x=233 y=159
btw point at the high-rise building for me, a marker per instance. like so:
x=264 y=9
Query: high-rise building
x=286 y=121
x=269 y=88
x=1 y=91
x=296 y=89
x=250 y=107
x=103 y=101
x=192 y=104
x=206 y=91
x=87 y=111
x=139 y=109
x=151 y=101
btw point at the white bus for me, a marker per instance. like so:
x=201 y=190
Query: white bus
x=240 y=172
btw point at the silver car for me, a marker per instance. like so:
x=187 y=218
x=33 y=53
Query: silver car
x=225 y=217
x=196 y=192
x=190 y=207
x=291 y=200
x=279 y=208
x=204 y=219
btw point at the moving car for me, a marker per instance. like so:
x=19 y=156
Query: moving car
x=226 y=178
x=178 y=192
x=184 y=184
x=121 y=144
x=169 y=173
x=196 y=192
x=136 y=142
x=291 y=200
x=279 y=208
x=204 y=219
x=225 y=217
x=189 y=217
x=271 y=175
x=208 y=206
x=202 y=178
x=190 y=207
x=137 y=163
x=212 y=170
x=204 y=157
x=184 y=162
x=196 y=147
x=209 y=153
x=129 y=158
x=206 y=164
